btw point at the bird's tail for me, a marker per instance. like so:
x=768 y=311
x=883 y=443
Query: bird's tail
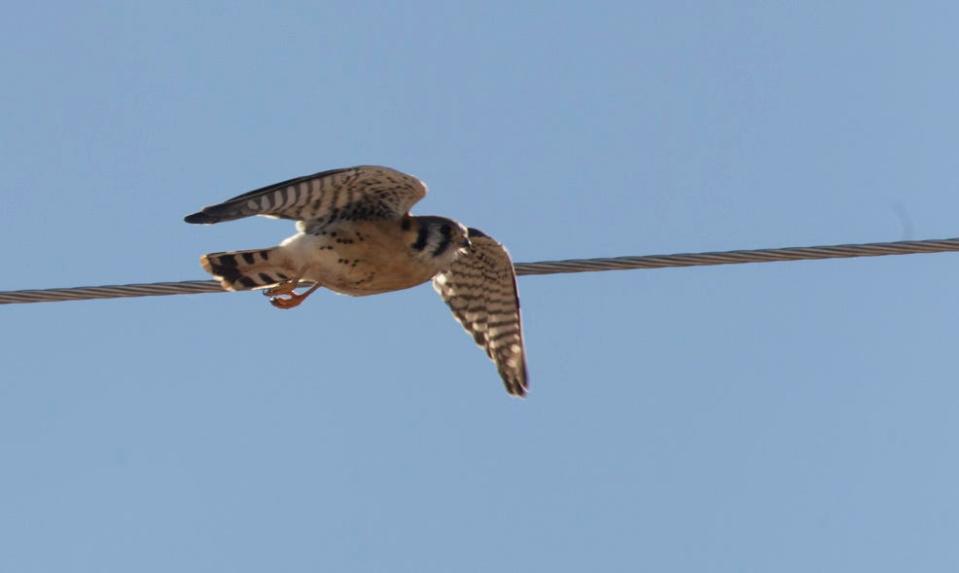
x=246 y=270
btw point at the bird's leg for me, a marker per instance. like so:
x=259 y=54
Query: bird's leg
x=285 y=287
x=292 y=299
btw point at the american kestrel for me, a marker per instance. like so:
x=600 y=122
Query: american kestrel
x=355 y=236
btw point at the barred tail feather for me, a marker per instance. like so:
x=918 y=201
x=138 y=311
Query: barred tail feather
x=246 y=270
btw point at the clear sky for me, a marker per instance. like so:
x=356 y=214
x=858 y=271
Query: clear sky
x=784 y=417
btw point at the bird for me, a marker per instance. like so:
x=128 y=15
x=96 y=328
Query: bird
x=355 y=235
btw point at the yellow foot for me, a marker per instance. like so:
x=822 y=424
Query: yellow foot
x=292 y=299
x=285 y=287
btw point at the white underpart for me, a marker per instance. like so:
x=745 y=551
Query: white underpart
x=300 y=247
x=314 y=263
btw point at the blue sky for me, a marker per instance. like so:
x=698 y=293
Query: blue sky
x=784 y=417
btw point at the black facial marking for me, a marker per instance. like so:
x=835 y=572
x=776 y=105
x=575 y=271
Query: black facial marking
x=406 y=223
x=447 y=232
x=421 y=237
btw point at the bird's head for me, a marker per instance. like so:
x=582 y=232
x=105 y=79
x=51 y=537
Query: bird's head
x=438 y=239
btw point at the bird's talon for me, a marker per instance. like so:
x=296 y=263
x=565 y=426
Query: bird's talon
x=283 y=296
x=286 y=287
x=291 y=301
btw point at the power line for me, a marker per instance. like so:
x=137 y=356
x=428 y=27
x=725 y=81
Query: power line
x=537 y=268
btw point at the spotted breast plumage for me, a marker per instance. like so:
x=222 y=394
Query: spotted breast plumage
x=356 y=236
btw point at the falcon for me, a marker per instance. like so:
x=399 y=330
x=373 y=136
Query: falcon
x=356 y=236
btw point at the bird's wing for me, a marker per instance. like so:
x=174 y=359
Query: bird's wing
x=480 y=289
x=363 y=192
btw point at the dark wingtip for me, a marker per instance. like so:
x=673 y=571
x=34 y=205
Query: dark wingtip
x=518 y=389
x=476 y=233
x=199 y=218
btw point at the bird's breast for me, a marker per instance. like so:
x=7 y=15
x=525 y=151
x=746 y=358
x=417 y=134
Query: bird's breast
x=360 y=258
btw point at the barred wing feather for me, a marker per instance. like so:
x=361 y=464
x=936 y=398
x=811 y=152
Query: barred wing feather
x=480 y=289
x=364 y=192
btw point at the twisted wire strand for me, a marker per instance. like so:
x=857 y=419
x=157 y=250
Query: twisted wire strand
x=536 y=268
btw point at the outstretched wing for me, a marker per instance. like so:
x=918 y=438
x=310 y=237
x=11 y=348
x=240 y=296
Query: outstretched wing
x=480 y=289
x=363 y=192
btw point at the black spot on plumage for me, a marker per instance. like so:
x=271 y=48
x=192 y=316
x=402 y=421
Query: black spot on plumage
x=228 y=274
x=246 y=281
x=265 y=255
x=222 y=265
x=421 y=238
x=406 y=223
x=226 y=261
x=267 y=279
x=248 y=257
x=476 y=233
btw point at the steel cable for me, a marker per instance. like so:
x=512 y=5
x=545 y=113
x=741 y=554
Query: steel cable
x=536 y=268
